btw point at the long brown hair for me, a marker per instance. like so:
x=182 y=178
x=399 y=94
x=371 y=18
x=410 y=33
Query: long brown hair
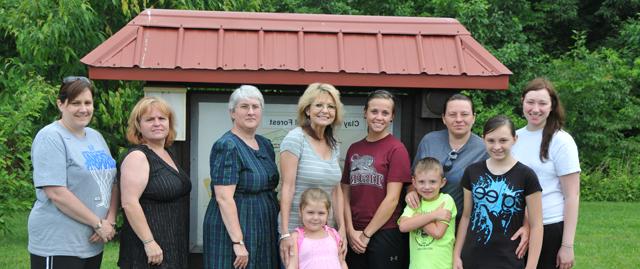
x=556 y=119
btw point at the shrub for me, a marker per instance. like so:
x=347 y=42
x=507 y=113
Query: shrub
x=615 y=180
x=599 y=91
x=486 y=111
x=26 y=105
x=112 y=109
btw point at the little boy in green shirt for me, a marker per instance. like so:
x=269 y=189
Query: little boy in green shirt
x=432 y=224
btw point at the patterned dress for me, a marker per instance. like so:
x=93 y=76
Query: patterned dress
x=165 y=203
x=255 y=175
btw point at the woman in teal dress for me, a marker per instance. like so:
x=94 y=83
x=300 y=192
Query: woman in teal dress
x=240 y=222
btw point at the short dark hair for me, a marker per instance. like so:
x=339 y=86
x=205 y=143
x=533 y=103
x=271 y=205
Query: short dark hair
x=461 y=97
x=496 y=122
x=72 y=86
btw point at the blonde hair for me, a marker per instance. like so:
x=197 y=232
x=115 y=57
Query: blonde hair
x=428 y=164
x=134 y=136
x=315 y=195
x=310 y=94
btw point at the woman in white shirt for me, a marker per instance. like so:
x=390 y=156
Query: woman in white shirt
x=553 y=155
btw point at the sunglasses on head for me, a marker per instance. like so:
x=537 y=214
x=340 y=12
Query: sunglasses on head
x=71 y=79
x=453 y=155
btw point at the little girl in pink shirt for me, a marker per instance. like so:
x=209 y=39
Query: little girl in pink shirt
x=317 y=244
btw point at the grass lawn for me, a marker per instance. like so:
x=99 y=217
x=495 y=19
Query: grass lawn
x=608 y=237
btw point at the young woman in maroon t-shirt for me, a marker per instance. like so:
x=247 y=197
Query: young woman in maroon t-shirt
x=375 y=170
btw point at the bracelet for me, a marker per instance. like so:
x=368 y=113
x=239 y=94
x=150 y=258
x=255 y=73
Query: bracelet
x=144 y=242
x=365 y=235
x=284 y=236
x=98 y=225
x=567 y=245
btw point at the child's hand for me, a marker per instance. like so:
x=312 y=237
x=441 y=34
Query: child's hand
x=342 y=251
x=442 y=214
x=457 y=263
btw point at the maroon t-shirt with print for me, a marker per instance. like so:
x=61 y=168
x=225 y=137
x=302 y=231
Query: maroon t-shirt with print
x=368 y=167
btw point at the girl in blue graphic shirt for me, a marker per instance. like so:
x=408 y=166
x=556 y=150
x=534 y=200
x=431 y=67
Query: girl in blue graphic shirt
x=496 y=193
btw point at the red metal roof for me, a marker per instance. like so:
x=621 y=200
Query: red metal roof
x=296 y=49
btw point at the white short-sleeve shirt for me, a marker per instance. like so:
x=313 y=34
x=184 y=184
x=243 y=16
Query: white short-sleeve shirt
x=563 y=160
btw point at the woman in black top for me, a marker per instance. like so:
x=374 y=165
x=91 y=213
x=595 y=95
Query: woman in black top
x=155 y=192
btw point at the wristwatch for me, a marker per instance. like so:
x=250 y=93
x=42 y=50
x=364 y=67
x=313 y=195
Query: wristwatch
x=98 y=225
x=238 y=243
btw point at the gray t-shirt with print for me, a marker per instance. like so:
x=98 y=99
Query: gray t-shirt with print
x=86 y=168
x=436 y=144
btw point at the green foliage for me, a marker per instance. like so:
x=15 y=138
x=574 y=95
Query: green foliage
x=51 y=36
x=112 y=114
x=25 y=102
x=615 y=181
x=602 y=18
x=485 y=111
x=599 y=91
x=321 y=7
x=628 y=39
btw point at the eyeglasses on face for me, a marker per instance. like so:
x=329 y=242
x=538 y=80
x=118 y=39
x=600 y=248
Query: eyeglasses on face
x=453 y=155
x=321 y=106
x=71 y=79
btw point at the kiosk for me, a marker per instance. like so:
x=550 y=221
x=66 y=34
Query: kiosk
x=422 y=60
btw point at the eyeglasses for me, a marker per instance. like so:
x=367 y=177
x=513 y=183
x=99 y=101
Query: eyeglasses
x=453 y=155
x=321 y=106
x=71 y=79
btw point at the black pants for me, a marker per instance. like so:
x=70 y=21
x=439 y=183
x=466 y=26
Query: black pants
x=387 y=249
x=551 y=243
x=65 y=262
